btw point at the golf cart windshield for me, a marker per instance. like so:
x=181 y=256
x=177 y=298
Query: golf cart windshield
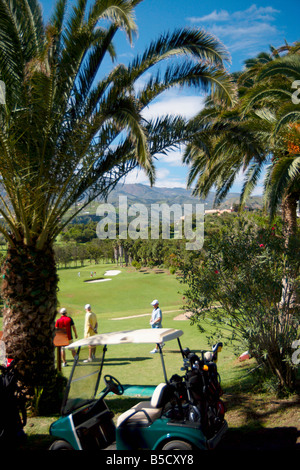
x=85 y=377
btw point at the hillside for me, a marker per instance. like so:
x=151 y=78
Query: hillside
x=139 y=193
x=146 y=195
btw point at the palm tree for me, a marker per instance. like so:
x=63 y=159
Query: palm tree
x=259 y=130
x=68 y=133
x=273 y=95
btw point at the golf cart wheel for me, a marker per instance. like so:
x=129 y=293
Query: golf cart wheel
x=61 y=445
x=177 y=445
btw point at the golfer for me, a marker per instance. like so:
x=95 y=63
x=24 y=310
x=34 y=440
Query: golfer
x=66 y=323
x=90 y=329
x=156 y=319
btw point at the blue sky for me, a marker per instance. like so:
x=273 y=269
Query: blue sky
x=245 y=28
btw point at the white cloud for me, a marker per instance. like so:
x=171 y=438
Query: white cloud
x=171 y=183
x=136 y=176
x=164 y=178
x=254 y=13
x=222 y=15
x=251 y=14
x=172 y=158
x=250 y=30
x=185 y=106
x=243 y=37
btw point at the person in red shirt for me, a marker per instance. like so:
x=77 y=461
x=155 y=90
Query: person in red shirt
x=66 y=323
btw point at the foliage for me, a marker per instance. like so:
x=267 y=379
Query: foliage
x=244 y=280
x=259 y=132
x=70 y=129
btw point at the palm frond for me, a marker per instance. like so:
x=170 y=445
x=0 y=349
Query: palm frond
x=282 y=177
x=195 y=43
x=287 y=114
x=288 y=66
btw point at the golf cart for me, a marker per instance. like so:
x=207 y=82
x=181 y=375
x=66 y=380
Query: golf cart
x=183 y=413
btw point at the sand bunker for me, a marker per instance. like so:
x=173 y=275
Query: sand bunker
x=113 y=272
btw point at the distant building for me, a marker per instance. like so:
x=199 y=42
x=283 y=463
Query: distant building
x=217 y=211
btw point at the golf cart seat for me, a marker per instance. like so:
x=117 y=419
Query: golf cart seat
x=145 y=412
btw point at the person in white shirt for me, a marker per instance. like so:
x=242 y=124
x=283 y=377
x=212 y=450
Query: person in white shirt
x=156 y=320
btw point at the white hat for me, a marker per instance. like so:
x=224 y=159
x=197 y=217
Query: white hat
x=155 y=302
x=87 y=306
x=63 y=310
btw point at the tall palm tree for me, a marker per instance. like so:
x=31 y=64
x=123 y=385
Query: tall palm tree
x=259 y=130
x=273 y=96
x=224 y=141
x=69 y=132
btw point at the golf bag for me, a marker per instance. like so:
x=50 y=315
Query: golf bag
x=198 y=392
x=12 y=409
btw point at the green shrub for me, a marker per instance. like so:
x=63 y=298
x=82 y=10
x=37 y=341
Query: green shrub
x=245 y=280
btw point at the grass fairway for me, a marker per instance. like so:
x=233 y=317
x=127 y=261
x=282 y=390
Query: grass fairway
x=126 y=294
x=123 y=303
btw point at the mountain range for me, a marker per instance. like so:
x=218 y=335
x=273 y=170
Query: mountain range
x=143 y=194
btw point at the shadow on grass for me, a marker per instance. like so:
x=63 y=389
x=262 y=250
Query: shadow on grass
x=257 y=412
x=131 y=359
x=36 y=442
x=115 y=361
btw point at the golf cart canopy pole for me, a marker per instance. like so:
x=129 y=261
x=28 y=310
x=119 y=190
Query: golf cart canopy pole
x=180 y=347
x=101 y=368
x=162 y=362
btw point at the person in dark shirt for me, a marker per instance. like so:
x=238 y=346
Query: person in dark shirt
x=66 y=323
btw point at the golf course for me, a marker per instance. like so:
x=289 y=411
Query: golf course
x=121 y=298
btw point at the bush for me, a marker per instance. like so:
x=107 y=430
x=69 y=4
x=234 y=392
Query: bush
x=245 y=281
x=136 y=265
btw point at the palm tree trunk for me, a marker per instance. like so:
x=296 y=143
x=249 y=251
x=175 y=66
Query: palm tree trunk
x=29 y=293
x=289 y=215
x=289 y=303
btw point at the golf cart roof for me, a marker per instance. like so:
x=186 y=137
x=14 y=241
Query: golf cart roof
x=154 y=335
